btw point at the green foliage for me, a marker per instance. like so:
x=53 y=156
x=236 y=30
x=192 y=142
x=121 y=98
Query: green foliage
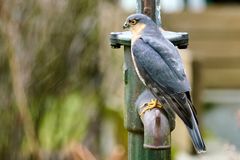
x=57 y=47
x=65 y=120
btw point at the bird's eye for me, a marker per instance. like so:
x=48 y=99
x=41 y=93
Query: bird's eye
x=133 y=22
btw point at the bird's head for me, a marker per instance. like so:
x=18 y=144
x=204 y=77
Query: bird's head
x=137 y=22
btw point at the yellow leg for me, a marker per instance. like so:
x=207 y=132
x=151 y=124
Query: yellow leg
x=150 y=105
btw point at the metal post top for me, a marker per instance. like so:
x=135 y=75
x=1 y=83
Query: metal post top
x=179 y=39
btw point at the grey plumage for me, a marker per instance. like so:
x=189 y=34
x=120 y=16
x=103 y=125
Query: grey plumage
x=159 y=66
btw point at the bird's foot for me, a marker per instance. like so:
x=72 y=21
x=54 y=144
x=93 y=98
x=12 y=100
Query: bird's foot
x=150 y=105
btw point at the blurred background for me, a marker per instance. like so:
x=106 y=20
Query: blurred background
x=61 y=85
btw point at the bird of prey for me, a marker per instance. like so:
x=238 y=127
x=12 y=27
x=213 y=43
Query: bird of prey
x=160 y=68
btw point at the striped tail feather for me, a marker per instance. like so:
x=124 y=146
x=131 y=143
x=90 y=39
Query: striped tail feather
x=190 y=120
x=196 y=137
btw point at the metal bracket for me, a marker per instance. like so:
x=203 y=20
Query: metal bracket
x=179 y=39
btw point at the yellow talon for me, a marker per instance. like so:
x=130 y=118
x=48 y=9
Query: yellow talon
x=153 y=104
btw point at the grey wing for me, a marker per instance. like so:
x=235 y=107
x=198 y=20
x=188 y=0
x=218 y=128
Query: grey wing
x=160 y=79
x=158 y=68
x=168 y=52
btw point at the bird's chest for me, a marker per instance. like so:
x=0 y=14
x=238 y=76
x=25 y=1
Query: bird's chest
x=139 y=73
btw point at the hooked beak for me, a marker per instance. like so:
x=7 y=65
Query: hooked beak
x=126 y=25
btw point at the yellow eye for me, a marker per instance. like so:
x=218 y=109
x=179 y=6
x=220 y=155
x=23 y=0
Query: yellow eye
x=133 y=22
